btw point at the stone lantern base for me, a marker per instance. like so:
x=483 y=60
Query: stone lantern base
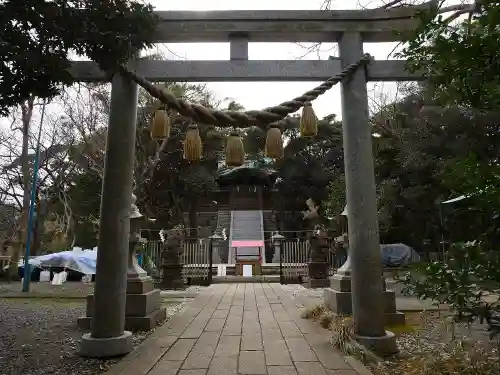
x=143 y=310
x=317 y=266
x=339 y=299
x=318 y=275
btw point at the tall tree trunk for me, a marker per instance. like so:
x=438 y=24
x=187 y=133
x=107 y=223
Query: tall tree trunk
x=17 y=249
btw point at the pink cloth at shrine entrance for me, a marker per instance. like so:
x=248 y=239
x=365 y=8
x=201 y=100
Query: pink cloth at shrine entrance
x=249 y=243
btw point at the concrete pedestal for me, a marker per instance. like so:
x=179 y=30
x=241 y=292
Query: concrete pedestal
x=338 y=296
x=172 y=277
x=143 y=310
x=339 y=299
x=317 y=265
x=318 y=275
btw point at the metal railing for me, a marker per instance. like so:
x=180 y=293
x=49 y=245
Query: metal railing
x=294 y=259
x=197 y=262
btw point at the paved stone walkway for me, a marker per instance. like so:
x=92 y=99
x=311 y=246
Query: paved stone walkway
x=238 y=329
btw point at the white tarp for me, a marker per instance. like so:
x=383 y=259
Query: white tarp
x=79 y=260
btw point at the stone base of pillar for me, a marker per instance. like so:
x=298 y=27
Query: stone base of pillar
x=318 y=275
x=143 y=310
x=382 y=346
x=106 y=347
x=339 y=299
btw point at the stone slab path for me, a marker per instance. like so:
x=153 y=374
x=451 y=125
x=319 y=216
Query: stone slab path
x=238 y=329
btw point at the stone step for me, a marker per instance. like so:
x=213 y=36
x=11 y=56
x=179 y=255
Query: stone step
x=241 y=279
x=269 y=269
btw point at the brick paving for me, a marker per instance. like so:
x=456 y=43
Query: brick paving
x=232 y=329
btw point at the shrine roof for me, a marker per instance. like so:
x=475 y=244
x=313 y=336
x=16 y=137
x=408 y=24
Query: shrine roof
x=252 y=172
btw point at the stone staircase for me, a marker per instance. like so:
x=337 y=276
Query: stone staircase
x=246 y=226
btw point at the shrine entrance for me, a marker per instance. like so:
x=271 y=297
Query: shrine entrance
x=352 y=69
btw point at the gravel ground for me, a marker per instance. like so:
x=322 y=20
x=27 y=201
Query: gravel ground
x=434 y=337
x=69 y=289
x=40 y=336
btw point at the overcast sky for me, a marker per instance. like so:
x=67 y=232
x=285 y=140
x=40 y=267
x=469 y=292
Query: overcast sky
x=257 y=95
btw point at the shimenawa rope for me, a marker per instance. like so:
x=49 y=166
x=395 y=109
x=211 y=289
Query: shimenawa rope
x=202 y=115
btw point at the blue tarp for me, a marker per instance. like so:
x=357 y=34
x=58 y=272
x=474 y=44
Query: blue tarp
x=398 y=255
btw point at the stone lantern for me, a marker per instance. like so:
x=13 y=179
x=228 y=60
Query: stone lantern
x=318 y=256
x=318 y=260
x=143 y=310
x=214 y=239
x=339 y=296
x=172 y=264
x=277 y=241
x=135 y=273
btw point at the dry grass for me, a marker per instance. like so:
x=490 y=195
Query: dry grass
x=458 y=361
x=342 y=330
x=424 y=342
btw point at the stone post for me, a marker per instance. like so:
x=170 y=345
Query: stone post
x=318 y=261
x=364 y=246
x=172 y=265
x=108 y=337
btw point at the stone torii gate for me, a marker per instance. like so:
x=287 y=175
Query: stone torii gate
x=348 y=28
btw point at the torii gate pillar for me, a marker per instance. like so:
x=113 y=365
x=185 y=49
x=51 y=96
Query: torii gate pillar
x=108 y=337
x=364 y=245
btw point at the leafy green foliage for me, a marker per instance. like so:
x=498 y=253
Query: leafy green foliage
x=467 y=282
x=478 y=180
x=85 y=203
x=336 y=201
x=37 y=38
x=306 y=171
x=461 y=59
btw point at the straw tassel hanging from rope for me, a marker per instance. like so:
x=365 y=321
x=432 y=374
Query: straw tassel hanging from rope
x=308 y=121
x=160 y=126
x=274 y=142
x=192 y=144
x=235 y=152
